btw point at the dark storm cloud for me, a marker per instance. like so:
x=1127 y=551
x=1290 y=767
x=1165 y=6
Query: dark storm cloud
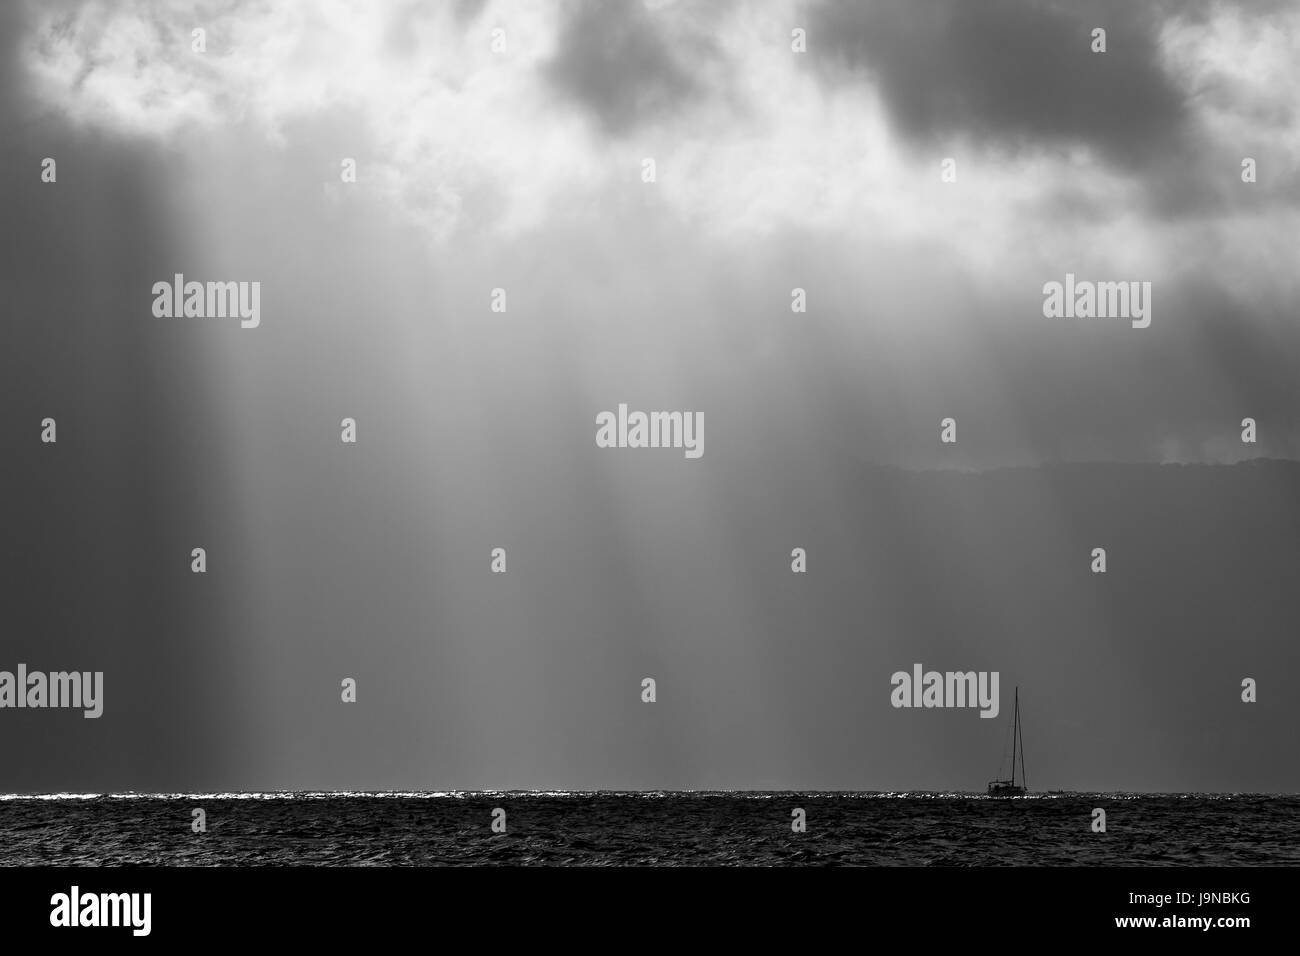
x=467 y=11
x=1011 y=73
x=10 y=32
x=613 y=60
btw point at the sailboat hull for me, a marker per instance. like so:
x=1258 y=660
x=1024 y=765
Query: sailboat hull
x=1006 y=790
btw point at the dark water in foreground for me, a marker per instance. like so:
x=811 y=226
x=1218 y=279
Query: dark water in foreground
x=678 y=829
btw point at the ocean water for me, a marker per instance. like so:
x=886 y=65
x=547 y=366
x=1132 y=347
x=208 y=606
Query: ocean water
x=675 y=829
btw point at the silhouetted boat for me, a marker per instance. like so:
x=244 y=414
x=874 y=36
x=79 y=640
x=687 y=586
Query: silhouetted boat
x=1009 y=788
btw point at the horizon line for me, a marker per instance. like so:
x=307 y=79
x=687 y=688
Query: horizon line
x=281 y=794
x=1077 y=462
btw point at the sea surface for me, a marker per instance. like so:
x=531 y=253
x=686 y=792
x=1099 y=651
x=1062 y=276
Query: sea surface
x=672 y=829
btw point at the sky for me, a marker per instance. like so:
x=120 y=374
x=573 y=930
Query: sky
x=514 y=160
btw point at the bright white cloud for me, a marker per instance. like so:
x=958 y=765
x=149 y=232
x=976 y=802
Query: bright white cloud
x=462 y=138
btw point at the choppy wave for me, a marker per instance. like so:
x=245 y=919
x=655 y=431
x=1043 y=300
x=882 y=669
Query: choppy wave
x=646 y=828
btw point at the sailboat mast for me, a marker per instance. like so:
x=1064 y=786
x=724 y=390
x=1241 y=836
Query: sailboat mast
x=1015 y=731
x=1024 y=777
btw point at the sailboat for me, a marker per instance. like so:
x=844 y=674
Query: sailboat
x=1009 y=788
